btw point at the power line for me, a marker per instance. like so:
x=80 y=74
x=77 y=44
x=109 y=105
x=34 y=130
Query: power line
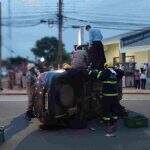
x=10 y=50
x=29 y=16
x=32 y=17
x=111 y=23
x=108 y=28
x=82 y=14
x=112 y=17
x=29 y=21
x=35 y=21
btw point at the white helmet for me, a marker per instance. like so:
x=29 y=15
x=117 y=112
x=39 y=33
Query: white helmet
x=30 y=66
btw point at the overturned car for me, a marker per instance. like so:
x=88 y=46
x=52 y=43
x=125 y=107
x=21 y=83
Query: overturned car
x=62 y=95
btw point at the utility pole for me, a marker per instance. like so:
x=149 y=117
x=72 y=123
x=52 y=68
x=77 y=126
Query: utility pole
x=79 y=37
x=60 y=26
x=10 y=27
x=82 y=35
x=0 y=46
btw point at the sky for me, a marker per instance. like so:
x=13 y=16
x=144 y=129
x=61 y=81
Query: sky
x=131 y=14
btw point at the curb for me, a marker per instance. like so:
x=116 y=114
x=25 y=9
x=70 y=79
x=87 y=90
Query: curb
x=135 y=93
x=9 y=94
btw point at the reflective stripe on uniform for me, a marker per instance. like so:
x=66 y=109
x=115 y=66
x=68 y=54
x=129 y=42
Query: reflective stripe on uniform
x=106 y=118
x=115 y=117
x=104 y=94
x=110 y=82
x=99 y=74
x=90 y=72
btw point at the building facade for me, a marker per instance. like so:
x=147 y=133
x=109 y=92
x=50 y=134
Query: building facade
x=130 y=47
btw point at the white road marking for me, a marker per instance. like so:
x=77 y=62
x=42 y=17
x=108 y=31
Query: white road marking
x=13 y=98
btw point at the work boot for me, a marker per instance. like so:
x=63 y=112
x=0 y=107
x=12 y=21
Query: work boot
x=124 y=113
x=110 y=135
x=29 y=115
x=44 y=127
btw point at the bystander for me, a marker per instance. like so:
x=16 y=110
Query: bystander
x=143 y=79
x=137 y=79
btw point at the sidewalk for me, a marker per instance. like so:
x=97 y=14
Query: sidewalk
x=23 y=91
x=13 y=92
x=135 y=91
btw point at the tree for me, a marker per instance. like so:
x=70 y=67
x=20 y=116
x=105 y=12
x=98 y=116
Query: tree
x=47 y=47
x=16 y=60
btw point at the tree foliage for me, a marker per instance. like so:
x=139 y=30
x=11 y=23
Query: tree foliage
x=47 y=47
x=16 y=60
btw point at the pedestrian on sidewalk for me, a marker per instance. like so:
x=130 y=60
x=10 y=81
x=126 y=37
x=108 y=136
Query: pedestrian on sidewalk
x=143 y=79
x=96 y=51
x=18 y=77
x=31 y=88
x=11 y=79
x=24 y=80
x=137 y=79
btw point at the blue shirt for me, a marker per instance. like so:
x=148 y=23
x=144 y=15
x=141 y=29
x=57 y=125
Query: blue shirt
x=95 y=35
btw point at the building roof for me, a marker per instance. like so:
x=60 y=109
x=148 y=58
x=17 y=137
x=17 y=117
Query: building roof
x=139 y=46
x=144 y=40
x=116 y=39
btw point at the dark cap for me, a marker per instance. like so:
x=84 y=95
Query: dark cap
x=88 y=27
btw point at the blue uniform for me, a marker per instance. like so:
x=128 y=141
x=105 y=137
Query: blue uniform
x=95 y=35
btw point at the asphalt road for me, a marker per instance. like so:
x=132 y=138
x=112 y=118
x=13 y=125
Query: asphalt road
x=24 y=135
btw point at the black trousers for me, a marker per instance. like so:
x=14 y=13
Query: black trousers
x=110 y=106
x=143 y=83
x=137 y=84
x=96 y=55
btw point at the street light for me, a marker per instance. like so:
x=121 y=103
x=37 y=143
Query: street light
x=80 y=34
x=42 y=59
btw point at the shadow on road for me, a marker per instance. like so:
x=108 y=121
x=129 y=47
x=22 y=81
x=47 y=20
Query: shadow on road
x=67 y=139
x=17 y=124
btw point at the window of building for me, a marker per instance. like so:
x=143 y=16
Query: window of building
x=128 y=59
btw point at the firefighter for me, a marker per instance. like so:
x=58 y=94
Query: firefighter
x=109 y=100
x=31 y=88
x=120 y=73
